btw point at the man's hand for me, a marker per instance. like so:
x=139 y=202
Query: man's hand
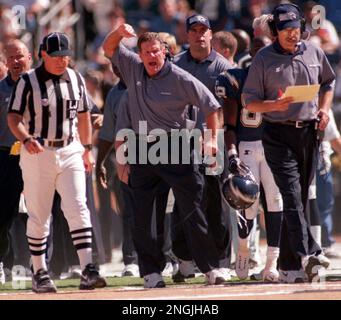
x=210 y=147
x=33 y=146
x=88 y=160
x=113 y=39
x=101 y=175
x=282 y=104
x=236 y=166
x=123 y=171
x=97 y=120
x=323 y=119
x=126 y=31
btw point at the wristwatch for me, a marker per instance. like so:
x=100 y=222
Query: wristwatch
x=87 y=146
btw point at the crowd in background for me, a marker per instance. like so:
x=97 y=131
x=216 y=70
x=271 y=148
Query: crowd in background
x=88 y=21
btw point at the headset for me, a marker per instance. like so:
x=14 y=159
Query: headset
x=272 y=22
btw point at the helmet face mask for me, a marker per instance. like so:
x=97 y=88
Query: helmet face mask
x=240 y=191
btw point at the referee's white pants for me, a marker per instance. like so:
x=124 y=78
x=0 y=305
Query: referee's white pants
x=43 y=173
x=252 y=154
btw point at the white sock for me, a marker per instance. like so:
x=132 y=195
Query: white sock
x=316 y=233
x=85 y=257
x=272 y=255
x=38 y=262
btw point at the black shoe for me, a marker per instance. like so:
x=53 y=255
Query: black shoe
x=91 y=279
x=314 y=265
x=179 y=277
x=42 y=283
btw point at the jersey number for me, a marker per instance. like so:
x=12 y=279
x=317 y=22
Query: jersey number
x=250 y=119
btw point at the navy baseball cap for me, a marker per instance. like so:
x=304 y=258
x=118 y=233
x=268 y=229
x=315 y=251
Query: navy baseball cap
x=56 y=44
x=197 y=18
x=287 y=16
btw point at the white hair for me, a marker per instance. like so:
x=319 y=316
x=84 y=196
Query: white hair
x=262 y=24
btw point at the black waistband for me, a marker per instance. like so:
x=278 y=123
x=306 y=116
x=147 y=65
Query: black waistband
x=3 y=148
x=54 y=143
x=296 y=124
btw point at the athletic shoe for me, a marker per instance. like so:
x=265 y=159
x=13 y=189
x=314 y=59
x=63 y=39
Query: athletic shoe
x=292 y=276
x=215 y=277
x=91 y=279
x=153 y=280
x=270 y=275
x=242 y=264
x=42 y=283
x=2 y=274
x=131 y=270
x=186 y=270
x=266 y=275
x=331 y=253
x=75 y=272
x=312 y=266
x=225 y=273
x=168 y=270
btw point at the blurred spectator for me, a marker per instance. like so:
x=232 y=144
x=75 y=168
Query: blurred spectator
x=216 y=12
x=171 y=44
x=326 y=32
x=261 y=28
x=243 y=57
x=167 y=18
x=93 y=81
x=181 y=34
x=251 y=10
x=3 y=67
x=8 y=27
x=115 y=18
x=141 y=12
x=333 y=10
x=226 y=44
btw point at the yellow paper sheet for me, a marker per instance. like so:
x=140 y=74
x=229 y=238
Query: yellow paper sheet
x=302 y=93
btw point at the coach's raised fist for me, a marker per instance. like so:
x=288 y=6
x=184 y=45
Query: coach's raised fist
x=126 y=31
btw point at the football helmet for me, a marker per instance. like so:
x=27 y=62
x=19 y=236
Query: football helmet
x=240 y=191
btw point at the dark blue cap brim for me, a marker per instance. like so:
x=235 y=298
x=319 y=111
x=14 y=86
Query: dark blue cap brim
x=61 y=53
x=288 y=24
x=197 y=22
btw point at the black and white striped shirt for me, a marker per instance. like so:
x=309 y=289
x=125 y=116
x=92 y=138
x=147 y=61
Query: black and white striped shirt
x=48 y=103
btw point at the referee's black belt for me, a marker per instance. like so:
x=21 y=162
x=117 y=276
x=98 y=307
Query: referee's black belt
x=296 y=124
x=54 y=143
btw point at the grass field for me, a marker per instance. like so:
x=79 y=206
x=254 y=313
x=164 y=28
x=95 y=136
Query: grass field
x=113 y=282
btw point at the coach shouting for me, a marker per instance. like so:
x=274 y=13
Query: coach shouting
x=290 y=136
x=158 y=93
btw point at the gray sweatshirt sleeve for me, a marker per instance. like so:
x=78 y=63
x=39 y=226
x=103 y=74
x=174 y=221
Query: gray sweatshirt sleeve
x=254 y=85
x=327 y=75
x=123 y=120
x=107 y=130
x=125 y=60
x=199 y=95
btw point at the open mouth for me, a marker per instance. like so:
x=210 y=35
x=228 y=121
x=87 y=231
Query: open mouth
x=152 y=64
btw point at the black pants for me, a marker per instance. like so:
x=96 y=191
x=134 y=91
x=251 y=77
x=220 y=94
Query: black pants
x=187 y=183
x=218 y=218
x=291 y=154
x=127 y=211
x=11 y=186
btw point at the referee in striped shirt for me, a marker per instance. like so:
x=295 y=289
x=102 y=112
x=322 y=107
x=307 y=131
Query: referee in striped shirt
x=49 y=114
